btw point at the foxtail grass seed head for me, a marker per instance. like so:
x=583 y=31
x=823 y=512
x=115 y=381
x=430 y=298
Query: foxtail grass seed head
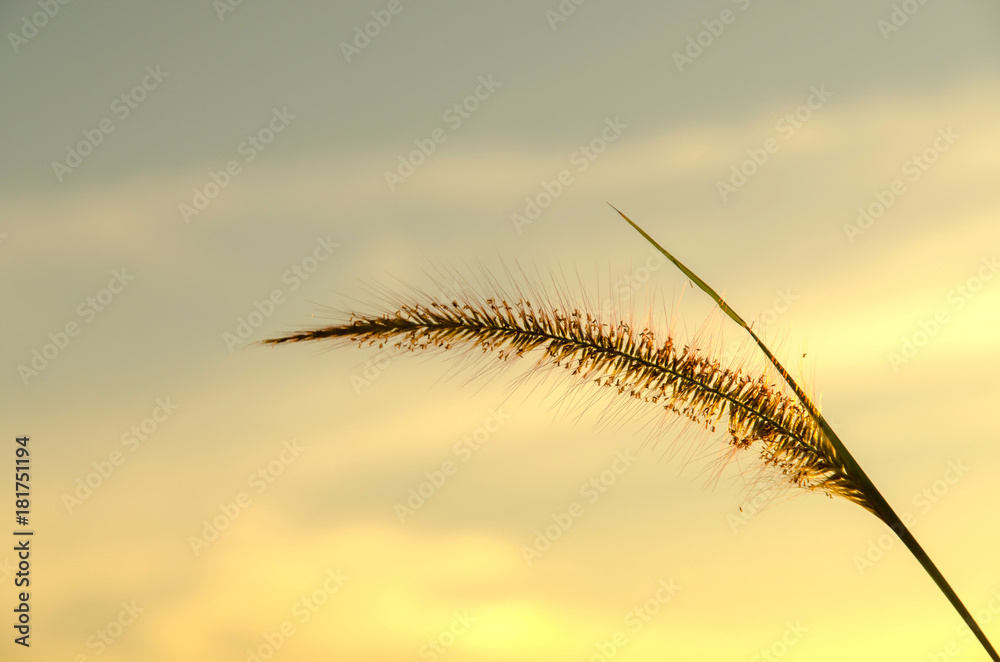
x=785 y=432
x=758 y=417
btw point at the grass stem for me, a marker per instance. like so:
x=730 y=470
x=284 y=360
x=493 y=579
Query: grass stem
x=874 y=502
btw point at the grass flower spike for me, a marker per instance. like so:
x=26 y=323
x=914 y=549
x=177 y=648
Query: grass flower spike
x=779 y=426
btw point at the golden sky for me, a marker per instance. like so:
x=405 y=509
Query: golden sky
x=185 y=179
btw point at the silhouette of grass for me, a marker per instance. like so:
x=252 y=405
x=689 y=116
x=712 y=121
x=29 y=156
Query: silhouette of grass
x=787 y=432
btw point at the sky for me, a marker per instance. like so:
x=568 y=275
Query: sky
x=181 y=180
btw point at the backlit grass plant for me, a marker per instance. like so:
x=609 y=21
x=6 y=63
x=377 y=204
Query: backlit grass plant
x=778 y=425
